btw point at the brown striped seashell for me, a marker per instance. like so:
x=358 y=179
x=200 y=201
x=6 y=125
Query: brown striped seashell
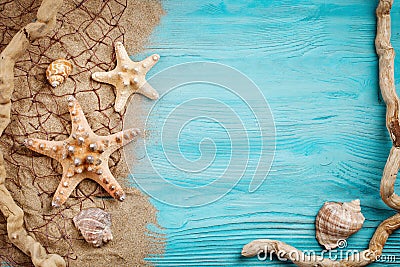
x=337 y=221
x=95 y=226
x=58 y=71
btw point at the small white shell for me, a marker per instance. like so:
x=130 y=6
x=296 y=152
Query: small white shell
x=337 y=221
x=94 y=225
x=58 y=71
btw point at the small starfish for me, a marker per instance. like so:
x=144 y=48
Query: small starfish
x=83 y=155
x=128 y=77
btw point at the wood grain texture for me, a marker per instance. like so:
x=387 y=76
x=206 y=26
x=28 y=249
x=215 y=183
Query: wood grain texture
x=316 y=65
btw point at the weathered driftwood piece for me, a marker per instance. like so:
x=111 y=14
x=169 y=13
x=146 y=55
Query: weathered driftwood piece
x=386 y=55
x=46 y=20
x=287 y=252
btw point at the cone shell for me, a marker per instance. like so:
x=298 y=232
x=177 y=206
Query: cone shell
x=337 y=221
x=95 y=226
x=58 y=71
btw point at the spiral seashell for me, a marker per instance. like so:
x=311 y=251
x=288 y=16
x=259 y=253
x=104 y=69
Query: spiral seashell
x=337 y=221
x=94 y=225
x=58 y=71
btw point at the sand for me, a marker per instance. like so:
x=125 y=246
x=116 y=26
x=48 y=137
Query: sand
x=85 y=34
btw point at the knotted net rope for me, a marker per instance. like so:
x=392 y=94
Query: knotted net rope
x=85 y=33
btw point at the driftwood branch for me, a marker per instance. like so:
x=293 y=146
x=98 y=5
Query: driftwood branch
x=46 y=20
x=284 y=251
x=287 y=252
x=386 y=55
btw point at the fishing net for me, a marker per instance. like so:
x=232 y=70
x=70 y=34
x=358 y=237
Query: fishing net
x=84 y=34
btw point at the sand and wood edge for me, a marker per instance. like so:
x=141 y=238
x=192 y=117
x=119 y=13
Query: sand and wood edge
x=46 y=20
x=386 y=56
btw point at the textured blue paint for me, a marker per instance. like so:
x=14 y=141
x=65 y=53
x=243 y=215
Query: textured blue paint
x=315 y=63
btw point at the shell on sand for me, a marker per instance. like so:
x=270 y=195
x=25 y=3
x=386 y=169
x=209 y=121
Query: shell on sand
x=337 y=221
x=58 y=71
x=95 y=226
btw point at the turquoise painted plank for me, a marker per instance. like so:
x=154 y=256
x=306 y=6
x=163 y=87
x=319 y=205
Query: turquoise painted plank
x=315 y=63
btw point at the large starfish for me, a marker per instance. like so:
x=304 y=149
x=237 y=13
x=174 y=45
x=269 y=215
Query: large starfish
x=83 y=155
x=128 y=77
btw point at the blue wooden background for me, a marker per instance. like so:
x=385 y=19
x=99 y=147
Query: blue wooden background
x=316 y=65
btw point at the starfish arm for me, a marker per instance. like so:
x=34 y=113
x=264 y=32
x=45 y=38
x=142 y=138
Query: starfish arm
x=147 y=90
x=105 y=77
x=150 y=61
x=110 y=184
x=65 y=188
x=122 y=97
x=51 y=149
x=121 y=53
x=79 y=122
x=118 y=140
